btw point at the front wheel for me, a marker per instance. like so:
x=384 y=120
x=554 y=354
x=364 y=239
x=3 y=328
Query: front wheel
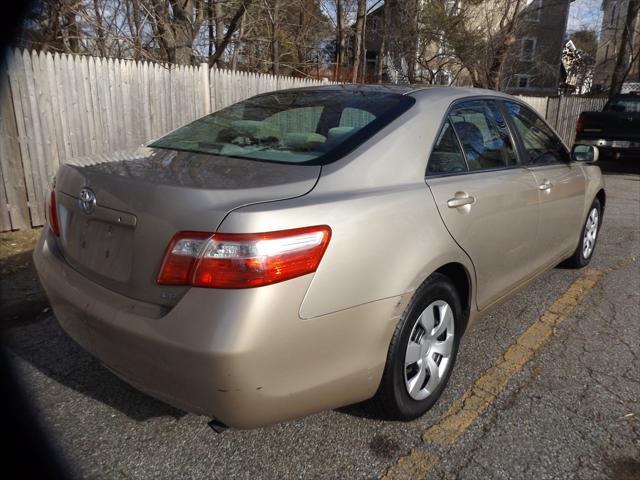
x=582 y=256
x=422 y=351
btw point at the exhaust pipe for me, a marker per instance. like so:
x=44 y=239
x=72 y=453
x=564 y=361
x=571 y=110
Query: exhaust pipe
x=217 y=426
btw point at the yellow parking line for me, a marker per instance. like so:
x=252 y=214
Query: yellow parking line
x=415 y=465
x=484 y=390
x=463 y=411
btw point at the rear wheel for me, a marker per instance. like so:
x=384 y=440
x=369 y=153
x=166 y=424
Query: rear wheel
x=422 y=351
x=582 y=256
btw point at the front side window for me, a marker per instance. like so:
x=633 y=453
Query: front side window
x=541 y=144
x=484 y=135
x=304 y=126
x=446 y=156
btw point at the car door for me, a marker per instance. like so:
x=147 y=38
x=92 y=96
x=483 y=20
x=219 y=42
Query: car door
x=561 y=183
x=487 y=200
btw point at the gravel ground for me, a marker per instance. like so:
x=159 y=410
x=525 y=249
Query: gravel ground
x=572 y=412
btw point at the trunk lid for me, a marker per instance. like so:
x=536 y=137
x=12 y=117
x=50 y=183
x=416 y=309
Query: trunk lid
x=145 y=196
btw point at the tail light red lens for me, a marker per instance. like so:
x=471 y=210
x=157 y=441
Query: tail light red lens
x=52 y=213
x=580 y=123
x=224 y=260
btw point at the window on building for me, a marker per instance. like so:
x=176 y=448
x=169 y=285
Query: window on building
x=523 y=81
x=375 y=23
x=528 y=49
x=533 y=10
x=606 y=53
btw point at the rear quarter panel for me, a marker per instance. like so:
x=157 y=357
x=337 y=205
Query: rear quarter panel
x=384 y=243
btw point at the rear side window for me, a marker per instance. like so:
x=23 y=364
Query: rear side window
x=543 y=147
x=446 y=156
x=484 y=135
x=298 y=126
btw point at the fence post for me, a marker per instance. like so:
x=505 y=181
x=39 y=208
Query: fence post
x=206 y=91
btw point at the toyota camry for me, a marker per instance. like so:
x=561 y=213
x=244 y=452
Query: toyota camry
x=308 y=249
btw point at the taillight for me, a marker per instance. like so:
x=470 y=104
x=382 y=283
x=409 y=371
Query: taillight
x=52 y=212
x=225 y=260
x=580 y=123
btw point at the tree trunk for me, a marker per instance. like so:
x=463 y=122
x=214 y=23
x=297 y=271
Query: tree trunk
x=340 y=40
x=133 y=19
x=219 y=17
x=100 y=41
x=383 y=46
x=275 y=47
x=72 y=30
x=238 y=44
x=233 y=25
x=211 y=41
x=357 y=49
x=625 y=54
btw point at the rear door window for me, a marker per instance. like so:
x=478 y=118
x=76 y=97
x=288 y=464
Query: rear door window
x=484 y=135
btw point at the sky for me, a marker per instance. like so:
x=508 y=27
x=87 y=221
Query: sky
x=585 y=14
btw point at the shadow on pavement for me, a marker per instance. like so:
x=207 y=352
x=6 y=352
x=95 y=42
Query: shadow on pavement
x=31 y=333
x=620 y=166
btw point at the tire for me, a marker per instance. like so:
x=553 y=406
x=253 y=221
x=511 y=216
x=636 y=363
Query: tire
x=588 y=239
x=403 y=394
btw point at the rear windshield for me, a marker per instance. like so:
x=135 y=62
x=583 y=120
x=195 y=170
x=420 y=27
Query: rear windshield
x=310 y=127
x=629 y=103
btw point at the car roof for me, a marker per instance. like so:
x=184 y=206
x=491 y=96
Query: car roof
x=430 y=92
x=353 y=88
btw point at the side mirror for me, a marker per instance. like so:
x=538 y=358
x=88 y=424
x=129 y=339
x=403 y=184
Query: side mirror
x=584 y=153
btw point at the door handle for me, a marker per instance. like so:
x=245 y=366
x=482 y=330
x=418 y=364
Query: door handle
x=546 y=185
x=460 y=201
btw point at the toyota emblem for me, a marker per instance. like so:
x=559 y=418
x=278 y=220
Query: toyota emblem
x=87 y=200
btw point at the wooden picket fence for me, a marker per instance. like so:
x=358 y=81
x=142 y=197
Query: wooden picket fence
x=57 y=107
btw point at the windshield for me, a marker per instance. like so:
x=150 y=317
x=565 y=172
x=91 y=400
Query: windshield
x=302 y=126
x=624 y=104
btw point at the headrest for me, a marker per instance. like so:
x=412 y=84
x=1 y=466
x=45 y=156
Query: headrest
x=256 y=129
x=303 y=140
x=338 y=133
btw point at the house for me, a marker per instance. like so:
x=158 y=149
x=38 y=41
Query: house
x=532 y=63
x=613 y=21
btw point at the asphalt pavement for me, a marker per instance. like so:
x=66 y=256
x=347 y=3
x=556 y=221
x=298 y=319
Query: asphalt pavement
x=546 y=386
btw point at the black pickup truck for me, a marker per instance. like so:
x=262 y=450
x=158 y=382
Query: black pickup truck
x=615 y=130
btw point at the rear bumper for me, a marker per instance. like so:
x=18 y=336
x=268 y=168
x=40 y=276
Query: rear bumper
x=241 y=356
